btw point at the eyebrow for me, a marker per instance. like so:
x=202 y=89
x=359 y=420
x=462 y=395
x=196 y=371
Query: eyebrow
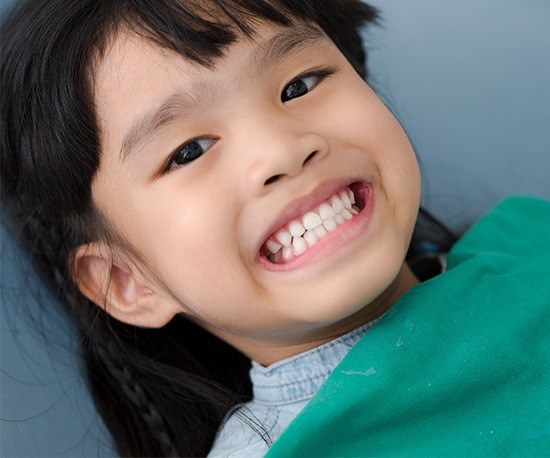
x=175 y=107
x=178 y=106
x=290 y=40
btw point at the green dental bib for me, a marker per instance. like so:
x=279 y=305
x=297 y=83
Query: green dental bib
x=460 y=365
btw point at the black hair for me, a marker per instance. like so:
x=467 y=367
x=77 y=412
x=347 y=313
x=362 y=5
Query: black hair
x=161 y=392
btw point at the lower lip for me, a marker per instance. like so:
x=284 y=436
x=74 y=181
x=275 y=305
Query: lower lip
x=336 y=240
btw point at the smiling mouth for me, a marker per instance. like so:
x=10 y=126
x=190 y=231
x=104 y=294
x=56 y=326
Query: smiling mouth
x=301 y=234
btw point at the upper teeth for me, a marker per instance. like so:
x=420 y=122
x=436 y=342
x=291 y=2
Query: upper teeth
x=314 y=225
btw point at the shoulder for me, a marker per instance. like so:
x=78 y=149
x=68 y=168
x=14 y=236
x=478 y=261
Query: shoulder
x=517 y=228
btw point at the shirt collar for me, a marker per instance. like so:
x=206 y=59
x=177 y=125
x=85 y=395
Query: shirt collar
x=300 y=376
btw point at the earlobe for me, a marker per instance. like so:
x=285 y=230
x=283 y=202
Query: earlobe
x=113 y=283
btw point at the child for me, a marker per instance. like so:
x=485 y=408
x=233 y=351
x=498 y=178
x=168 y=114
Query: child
x=207 y=183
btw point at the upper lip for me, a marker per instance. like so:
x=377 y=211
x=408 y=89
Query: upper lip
x=302 y=205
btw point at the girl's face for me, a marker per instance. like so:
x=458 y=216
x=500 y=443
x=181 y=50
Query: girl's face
x=201 y=167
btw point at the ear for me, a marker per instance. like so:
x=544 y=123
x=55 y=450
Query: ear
x=112 y=282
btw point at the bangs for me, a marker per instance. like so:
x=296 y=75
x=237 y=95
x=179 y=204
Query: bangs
x=200 y=30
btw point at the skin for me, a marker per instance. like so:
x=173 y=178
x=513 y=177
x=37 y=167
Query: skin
x=194 y=232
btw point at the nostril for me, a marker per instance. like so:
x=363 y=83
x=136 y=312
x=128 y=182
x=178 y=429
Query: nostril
x=310 y=157
x=273 y=179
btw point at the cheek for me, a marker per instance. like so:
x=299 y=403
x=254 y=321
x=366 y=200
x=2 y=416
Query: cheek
x=367 y=125
x=192 y=246
x=184 y=231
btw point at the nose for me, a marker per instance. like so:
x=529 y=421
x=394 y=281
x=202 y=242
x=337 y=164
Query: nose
x=279 y=150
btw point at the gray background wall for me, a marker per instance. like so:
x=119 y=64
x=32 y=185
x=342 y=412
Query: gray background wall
x=469 y=81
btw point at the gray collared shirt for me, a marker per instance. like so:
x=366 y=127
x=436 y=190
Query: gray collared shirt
x=280 y=392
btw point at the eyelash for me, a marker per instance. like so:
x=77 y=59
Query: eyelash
x=189 y=155
x=319 y=74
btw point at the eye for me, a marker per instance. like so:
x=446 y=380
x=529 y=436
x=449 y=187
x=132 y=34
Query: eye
x=304 y=84
x=299 y=87
x=190 y=151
